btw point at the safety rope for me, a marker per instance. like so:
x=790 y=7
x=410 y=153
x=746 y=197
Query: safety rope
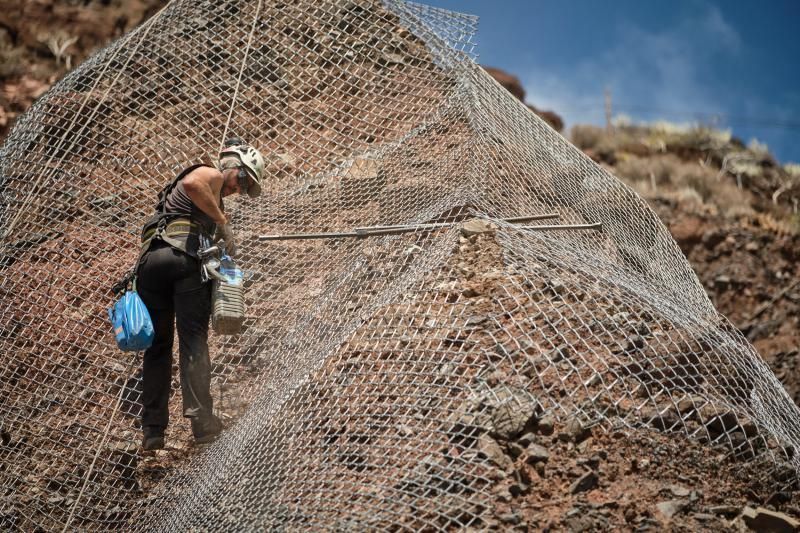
x=61 y=160
x=148 y=25
x=239 y=78
x=99 y=447
x=236 y=94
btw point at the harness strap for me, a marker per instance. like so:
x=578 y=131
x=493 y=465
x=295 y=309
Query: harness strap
x=166 y=231
x=178 y=227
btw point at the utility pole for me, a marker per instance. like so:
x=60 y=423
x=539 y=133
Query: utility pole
x=607 y=95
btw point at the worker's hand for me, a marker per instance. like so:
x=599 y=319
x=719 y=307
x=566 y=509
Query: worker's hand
x=226 y=234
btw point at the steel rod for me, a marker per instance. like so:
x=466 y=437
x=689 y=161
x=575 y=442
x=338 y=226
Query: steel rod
x=397 y=230
x=526 y=218
x=543 y=216
x=300 y=236
x=597 y=225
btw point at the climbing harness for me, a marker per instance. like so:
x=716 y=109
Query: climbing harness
x=172 y=232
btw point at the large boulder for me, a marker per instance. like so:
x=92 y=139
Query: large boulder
x=509 y=81
x=514 y=86
x=551 y=117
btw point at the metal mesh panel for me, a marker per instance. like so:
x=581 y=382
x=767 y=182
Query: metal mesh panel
x=369 y=369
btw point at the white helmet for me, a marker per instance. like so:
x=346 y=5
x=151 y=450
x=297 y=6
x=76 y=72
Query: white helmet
x=250 y=160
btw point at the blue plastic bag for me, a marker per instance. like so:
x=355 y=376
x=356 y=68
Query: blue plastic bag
x=132 y=325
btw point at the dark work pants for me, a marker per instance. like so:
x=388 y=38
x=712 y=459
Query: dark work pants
x=170 y=286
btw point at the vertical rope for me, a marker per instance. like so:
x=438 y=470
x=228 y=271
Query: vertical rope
x=146 y=30
x=239 y=78
x=99 y=447
x=235 y=96
x=222 y=141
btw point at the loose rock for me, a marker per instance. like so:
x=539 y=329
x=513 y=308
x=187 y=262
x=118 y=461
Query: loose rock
x=764 y=520
x=586 y=482
x=672 y=507
x=546 y=425
x=535 y=454
x=490 y=449
x=510 y=518
x=680 y=492
x=476 y=226
x=575 y=432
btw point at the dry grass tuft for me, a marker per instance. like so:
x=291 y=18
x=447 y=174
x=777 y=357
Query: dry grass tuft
x=586 y=136
x=657 y=170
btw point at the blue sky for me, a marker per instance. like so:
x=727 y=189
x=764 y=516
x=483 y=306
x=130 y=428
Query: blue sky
x=730 y=63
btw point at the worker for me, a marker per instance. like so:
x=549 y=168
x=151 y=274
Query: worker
x=190 y=215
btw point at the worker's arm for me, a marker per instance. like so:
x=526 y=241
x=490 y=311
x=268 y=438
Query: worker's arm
x=204 y=187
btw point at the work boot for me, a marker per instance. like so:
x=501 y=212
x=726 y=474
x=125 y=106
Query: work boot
x=206 y=428
x=152 y=438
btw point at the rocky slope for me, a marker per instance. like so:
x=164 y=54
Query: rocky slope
x=733 y=211
x=491 y=458
x=730 y=208
x=41 y=40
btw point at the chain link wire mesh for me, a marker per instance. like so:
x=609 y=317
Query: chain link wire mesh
x=369 y=369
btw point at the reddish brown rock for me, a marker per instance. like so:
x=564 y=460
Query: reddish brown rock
x=509 y=81
x=551 y=117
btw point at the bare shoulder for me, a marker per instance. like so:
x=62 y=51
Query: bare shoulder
x=206 y=175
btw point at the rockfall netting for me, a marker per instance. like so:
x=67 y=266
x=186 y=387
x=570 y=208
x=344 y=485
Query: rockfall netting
x=373 y=373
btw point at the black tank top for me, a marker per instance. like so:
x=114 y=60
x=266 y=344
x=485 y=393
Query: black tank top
x=179 y=203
